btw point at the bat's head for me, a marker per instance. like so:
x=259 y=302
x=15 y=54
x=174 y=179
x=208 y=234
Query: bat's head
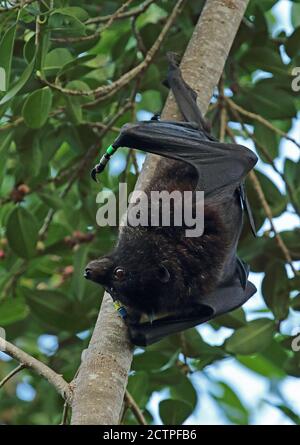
x=138 y=273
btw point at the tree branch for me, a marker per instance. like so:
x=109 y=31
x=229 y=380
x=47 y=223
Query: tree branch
x=100 y=385
x=261 y=120
x=131 y=403
x=11 y=374
x=56 y=380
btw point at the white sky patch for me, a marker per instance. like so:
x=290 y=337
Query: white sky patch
x=25 y=392
x=282 y=13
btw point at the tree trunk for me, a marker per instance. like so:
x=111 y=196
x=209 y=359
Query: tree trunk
x=102 y=378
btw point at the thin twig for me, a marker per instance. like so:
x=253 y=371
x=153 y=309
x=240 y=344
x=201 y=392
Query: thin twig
x=138 y=37
x=101 y=126
x=64 y=419
x=11 y=374
x=223 y=112
x=116 y=14
x=62 y=387
x=223 y=123
x=260 y=119
x=13 y=124
x=131 y=13
x=131 y=403
x=268 y=212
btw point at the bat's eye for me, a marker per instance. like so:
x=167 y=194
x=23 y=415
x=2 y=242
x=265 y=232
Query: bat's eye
x=119 y=273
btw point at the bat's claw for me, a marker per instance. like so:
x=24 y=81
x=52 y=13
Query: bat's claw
x=97 y=169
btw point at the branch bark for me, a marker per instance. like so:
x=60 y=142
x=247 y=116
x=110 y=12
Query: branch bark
x=61 y=386
x=100 y=385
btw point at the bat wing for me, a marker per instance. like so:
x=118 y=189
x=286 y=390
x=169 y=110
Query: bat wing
x=218 y=165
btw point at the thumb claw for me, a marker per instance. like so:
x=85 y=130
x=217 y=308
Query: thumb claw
x=94 y=174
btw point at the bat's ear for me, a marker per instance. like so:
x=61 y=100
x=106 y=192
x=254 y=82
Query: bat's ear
x=163 y=273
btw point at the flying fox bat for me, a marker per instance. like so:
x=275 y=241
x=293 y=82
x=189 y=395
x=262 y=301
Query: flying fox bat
x=178 y=281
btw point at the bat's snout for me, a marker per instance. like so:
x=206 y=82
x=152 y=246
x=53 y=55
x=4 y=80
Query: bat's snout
x=98 y=270
x=87 y=273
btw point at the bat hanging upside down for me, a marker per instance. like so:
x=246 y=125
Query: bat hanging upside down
x=157 y=271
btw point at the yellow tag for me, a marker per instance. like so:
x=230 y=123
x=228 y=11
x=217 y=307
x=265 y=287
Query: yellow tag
x=117 y=305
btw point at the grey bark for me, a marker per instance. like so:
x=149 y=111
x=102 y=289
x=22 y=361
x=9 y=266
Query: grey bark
x=102 y=378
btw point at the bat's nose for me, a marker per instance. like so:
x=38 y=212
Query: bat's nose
x=87 y=273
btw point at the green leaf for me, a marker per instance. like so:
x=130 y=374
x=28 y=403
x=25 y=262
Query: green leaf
x=67 y=20
x=261 y=99
x=29 y=49
x=233 y=320
x=80 y=261
x=192 y=345
x=5 y=141
x=275 y=199
x=22 y=232
x=2 y=80
x=74 y=102
x=54 y=309
x=233 y=408
x=266 y=141
x=51 y=200
x=12 y=310
x=174 y=412
x=262 y=58
x=288 y=412
x=254 y=337
x=262 y=366
x=150 y=361
x=37 y=107
x=295 y=303
x=73 y=11
x=152 y=15
x=138 y=385
x=292 y=44
x=185 y=390
x=292 y=365
x=151 y=101
x=292 y=174
x=56 y=59
x=269 y=362
x=295 y=15
x=20 y=83
x=264 y=5
x=275 y=289
x=30 y=158
x=6 y=53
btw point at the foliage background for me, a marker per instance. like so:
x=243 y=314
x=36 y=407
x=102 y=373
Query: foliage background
x=238 y=369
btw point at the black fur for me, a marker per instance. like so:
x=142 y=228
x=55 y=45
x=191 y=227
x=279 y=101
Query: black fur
x=160 y=269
